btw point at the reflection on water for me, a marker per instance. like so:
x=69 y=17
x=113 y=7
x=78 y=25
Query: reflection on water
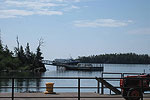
x=53 y=72
x=20 y=82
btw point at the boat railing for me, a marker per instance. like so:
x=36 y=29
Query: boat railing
x=89 y=65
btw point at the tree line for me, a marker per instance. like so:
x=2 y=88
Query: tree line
x=122 y=58
x=21 y=59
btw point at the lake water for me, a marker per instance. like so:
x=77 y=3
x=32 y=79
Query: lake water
x=53 y=72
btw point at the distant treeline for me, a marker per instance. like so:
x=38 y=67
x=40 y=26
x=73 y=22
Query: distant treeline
x=21 y=59
x=122 y=58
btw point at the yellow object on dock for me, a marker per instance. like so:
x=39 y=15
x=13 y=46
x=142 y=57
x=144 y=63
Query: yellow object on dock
x=49 y=88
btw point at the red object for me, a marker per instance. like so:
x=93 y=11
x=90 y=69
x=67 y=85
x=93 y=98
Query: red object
x=132 y=87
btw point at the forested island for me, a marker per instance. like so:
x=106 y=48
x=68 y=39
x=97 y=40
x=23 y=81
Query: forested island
x=21 y=59
x=122 y=58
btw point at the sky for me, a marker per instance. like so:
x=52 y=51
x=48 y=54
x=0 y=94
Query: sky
x=72 y=28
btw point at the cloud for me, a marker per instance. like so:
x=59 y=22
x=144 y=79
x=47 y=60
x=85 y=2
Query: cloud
x=31 y=4
x=101 y=23
x=71 y=7
x=140 y=31
x=14 y=13
x=49 y=12
x=66 y=0
x=16 y=8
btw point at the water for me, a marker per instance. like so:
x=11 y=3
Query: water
x=53 y=72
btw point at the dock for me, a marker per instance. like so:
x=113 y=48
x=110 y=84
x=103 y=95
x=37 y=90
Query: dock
x=63 y=96
x=78 y=95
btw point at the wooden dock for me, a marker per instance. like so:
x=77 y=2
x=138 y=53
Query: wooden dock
x=62 y=96
x=69 y=95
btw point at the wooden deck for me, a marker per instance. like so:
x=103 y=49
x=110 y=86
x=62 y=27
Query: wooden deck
x=63 y=95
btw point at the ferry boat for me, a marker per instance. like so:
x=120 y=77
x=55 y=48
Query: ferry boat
x=86 y=67
x=65 y=62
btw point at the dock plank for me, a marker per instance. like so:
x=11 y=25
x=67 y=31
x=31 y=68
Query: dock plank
x=63 y=95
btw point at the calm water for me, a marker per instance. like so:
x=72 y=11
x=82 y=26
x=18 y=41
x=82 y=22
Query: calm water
x=53 y=72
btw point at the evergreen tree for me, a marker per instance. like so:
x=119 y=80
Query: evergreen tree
x=28 y=54
x=39 y=54
x=126 y=58
x=23 y=60
x=16 y=49
x=1 y=47
x=38 y=58
x=27 y=51
x=7 y=52
x=21 y=55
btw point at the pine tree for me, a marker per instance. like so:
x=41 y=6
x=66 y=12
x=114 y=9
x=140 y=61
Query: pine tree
x=21 y=55
x=28 y=54
x=38 y=58
x=23 y=59
x=27 y=51
x=7 y=52
x=1 y=46
x=39 y=54
x=16 y=49
x=38 y=51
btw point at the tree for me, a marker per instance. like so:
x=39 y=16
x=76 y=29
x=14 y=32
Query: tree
x=39 y=54
x=126 y=58
x=38 y=51
x=16 y=49
x=21 y=55
x=7 y=52
x=28 y=54
x=27 y=51
x=1 y=46
x=38 y=59
x=23 y=59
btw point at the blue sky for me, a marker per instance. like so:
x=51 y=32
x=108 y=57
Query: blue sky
x=77 y=27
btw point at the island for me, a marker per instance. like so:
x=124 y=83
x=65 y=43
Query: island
x=21 y=59
x=120 y=58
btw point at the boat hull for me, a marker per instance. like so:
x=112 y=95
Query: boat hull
x=85 y=68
